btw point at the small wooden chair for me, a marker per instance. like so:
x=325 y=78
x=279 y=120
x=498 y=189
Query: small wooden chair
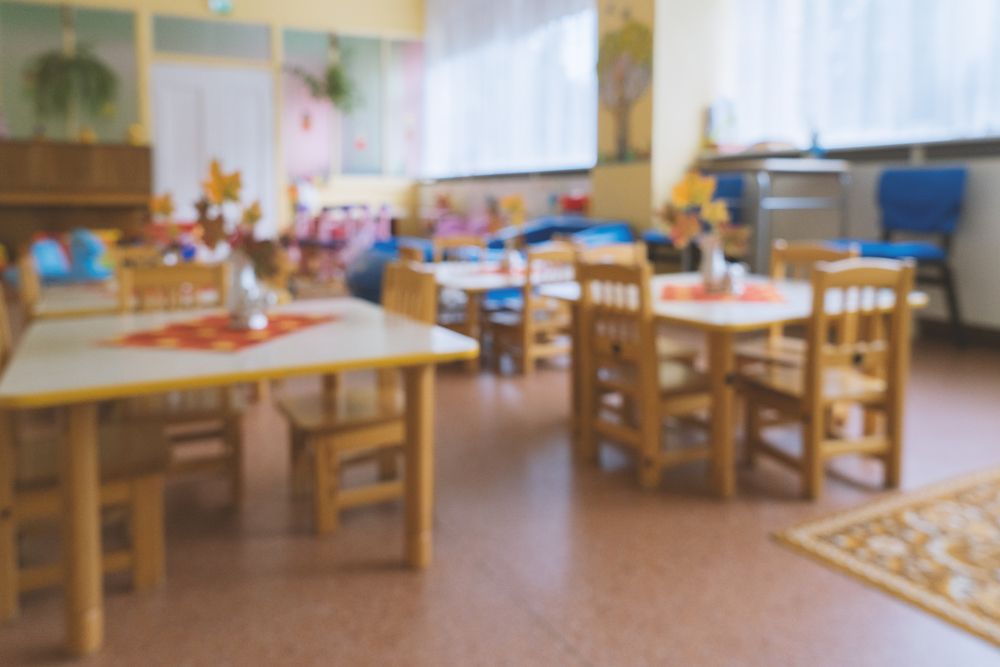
x=193 y=416
x=442 y=244
x=541 y=328
x=858 y=355
x=29 y=286
x=457 y=310
x=336 y=428
x=133 y=462
x=627 y=392
x=180 y=286
x=409 y=253
x=789 y=261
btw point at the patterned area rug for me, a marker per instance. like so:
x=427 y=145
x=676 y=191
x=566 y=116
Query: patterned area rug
x=937 y=548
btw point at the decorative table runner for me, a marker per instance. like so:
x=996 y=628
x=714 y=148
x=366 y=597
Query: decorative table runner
x=213 y=333
x=762 y=292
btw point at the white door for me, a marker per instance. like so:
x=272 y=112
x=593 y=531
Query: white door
x=205 y=113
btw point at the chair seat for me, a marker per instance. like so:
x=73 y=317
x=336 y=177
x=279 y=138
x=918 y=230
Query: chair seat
x=918 y=250
x=675 y=378
x=319 y=412
x=839 y=384
x=450 y=318
x=512 y=319
x=509 y=298
x=680 y=378
x=667 y=348
x=126 y=450
x=188 y=405
x=782 y=351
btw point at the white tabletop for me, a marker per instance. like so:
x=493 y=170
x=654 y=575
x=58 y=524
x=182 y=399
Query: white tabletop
x=728 y=315
x=63 y=361
x=487 y=276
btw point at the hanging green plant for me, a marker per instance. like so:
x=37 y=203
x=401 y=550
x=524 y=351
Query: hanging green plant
x=65 y=83
x=334 y=85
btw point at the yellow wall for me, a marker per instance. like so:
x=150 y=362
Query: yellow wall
x=622 y=192
x=689 y=39
x=402 y=18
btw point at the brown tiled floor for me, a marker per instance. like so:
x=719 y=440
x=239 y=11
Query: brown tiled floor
x=537 y=562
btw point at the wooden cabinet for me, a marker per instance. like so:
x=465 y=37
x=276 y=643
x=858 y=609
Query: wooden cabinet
x=50 y=186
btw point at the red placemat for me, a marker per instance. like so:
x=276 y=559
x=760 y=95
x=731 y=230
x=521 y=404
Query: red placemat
x=213 y=333
x=761 y=293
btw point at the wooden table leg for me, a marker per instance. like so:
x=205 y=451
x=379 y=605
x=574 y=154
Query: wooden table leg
x=82 y=531
x=576 y=413
x=419 y=381
x=472 y=305
x=721 y=368
x=8 y=535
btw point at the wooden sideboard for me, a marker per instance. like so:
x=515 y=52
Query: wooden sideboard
x=48 y=186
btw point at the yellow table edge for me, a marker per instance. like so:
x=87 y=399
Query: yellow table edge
x=110 y=392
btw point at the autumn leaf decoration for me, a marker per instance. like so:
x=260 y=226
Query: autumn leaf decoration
x=692 y=212
x=162 y=207
x=252 y=214
x=222 y=187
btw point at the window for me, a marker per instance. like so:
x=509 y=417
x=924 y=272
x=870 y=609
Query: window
x=378 y=132
x=172 y=34
x=510 y=87
x=864 y=71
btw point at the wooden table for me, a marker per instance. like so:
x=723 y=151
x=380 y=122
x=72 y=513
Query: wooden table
x=60 y=363
x=476 y=279
x=721 y=321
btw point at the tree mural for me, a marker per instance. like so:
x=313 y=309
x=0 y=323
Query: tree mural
x=624 y=71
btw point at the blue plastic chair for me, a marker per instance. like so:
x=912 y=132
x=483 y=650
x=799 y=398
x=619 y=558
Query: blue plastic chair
x=922 y=202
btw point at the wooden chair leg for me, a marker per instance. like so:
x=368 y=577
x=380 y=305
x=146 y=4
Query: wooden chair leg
x=526 y=362
x=894 y=457
x=146 y=523
x=297 y=465
x=326 y=478
x=651 y=428
x=234 y=445
x=751 y=436
x=812 y=456
x=9 y=586
x=954 y=313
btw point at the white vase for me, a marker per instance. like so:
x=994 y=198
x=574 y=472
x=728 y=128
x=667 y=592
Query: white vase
x=713 y=264
x=248 y=299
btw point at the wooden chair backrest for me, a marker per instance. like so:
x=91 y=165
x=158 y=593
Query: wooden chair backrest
x=556 y=259
x=6 y=333
x=626 y=254
x=617 y=335
x=410 y=292
x=442 y=244
x=173 y=287
x=860 y=330
x=408 y=253
x=29 y=283
x=135 y=255
x=796 y=260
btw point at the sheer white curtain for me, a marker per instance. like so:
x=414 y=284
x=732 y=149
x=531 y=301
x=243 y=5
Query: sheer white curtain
x=511 y=86
x=865 y=71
